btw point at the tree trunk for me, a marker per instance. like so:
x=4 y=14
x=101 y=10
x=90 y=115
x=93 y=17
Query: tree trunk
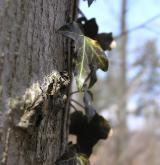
x=34 y=86
x=122 y=88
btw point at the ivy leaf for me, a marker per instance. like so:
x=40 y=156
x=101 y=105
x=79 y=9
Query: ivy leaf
x=105 y=40
x=88 y=99
x=72 y=157
x=93 y=76
x=89 y=53
x=71 y=30
x=89 y=2
x=90 y=28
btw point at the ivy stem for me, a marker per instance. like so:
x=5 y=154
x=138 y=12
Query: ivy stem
x=73 y=107
x=76 y=92
x=87 y=78
x=77 y=103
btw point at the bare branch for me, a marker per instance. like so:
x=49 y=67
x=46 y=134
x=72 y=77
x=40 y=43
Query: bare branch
x=72 y=106
x=81 y=13
x=138 y=27
x=77 y=103
x=152 y=30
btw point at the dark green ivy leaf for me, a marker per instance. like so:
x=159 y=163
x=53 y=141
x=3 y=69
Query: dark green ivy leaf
x=89 y=27
x=89 y=108
x=71 y=30
x=105 y=40
x=89 y=53
x=90 y=2
x=93 y=77
x=72 y=157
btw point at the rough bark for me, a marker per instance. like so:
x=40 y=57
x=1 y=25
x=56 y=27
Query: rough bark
x=33 y=91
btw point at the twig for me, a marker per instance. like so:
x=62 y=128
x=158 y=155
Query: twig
x=72 y=93
x=152 y=30
x=77 y=103
x=87 y=78
x=81 y=13
x=73 y=107
x=138 y=27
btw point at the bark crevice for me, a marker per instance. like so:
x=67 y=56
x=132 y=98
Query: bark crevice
x=33 y=52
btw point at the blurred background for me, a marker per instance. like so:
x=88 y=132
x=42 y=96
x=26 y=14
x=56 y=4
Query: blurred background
x=128 y=95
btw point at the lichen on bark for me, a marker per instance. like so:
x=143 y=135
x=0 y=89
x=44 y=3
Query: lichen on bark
x=35 y=120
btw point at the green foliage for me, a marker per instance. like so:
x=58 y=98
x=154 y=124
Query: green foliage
x=90 y=29
x=72 y=157
x=88 y=103
x=89 y=129
x=90 y=55
x=89 y=2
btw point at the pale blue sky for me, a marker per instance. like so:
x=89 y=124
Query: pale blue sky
x=107 y=16
x=107 y=13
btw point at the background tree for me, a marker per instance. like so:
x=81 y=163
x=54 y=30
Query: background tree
x=33 y=91
x=130 y=97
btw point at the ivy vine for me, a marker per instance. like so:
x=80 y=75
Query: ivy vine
x=89 y=55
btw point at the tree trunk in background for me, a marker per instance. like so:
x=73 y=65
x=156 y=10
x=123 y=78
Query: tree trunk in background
x=33 y=89
x=122 y=88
